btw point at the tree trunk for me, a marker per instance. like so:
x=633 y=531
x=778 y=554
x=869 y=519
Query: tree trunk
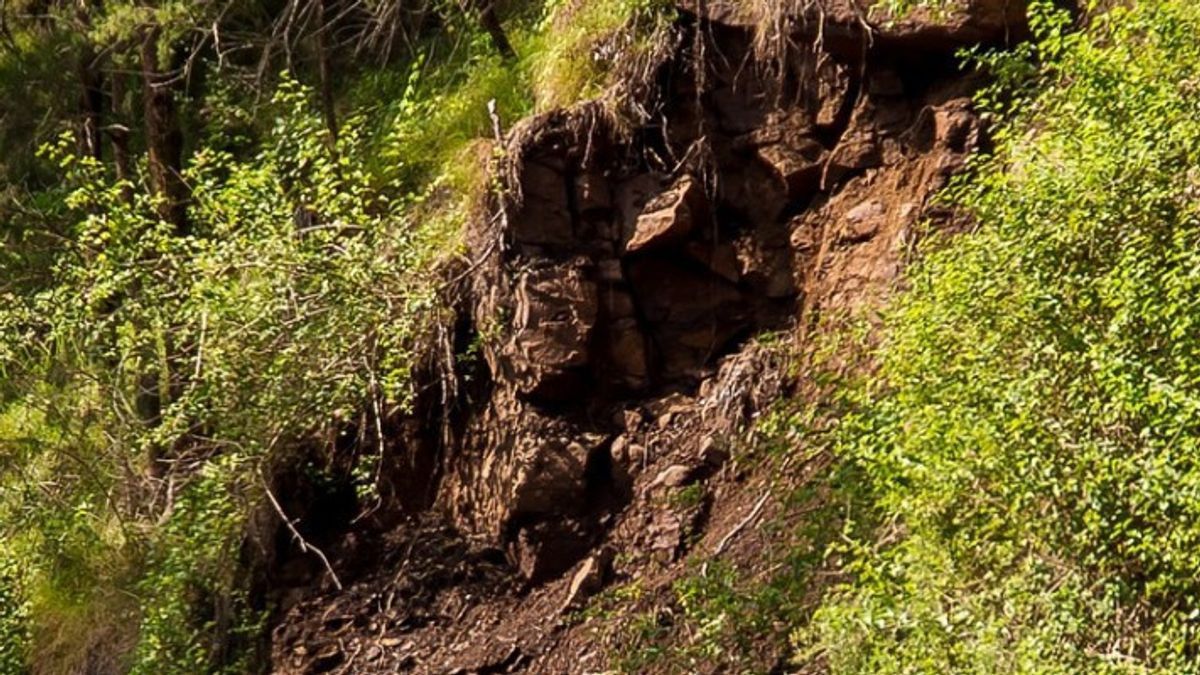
x=164 y=140
x=118 y=132
x=91 y=89
x=91 y=104
x=164 y=145
x=491 y=23
x=324 y=70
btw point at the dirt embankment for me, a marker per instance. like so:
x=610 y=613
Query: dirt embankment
x=607 y=353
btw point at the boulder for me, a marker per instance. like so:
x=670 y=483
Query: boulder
x=670 y=217
x=956 y=127
x=858 y=151
x=588 y=579
x=548 y=475
x=862 y=222
x=666 y=535
x=710 y=454
x=676 y=475
x=750 y=192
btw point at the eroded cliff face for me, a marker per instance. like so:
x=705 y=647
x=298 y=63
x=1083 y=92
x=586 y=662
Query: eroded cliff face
x=775 y=172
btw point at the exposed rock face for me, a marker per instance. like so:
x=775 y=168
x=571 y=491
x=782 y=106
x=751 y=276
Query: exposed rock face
x=620 y=274
x=617 y=297
x=555 y=315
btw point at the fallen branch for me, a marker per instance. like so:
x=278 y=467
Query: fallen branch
x=304 y=545
x=751 y=517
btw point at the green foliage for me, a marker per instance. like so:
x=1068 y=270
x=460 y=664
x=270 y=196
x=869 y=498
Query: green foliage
x=689 y=497
x=191 y=604
x=151 y=383
x=434 y=117
x=1032 y=432
x=431 y=116
x=578 y=45
x=33 y=65
x=299 y=297
x=14 y=630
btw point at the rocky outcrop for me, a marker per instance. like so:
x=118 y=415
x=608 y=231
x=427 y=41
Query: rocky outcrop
x=628 y=264
x=617 y=292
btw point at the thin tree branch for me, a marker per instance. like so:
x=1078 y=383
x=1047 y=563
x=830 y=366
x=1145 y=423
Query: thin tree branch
x=305 y=546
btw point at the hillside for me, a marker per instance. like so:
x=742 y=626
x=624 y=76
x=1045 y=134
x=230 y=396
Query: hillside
x=598 y=336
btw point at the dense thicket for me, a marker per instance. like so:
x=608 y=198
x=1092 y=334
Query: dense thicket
x=220 y=235
x=1031 y=436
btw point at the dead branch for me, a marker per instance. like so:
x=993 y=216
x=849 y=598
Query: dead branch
x=305 y=546
x=745 y=522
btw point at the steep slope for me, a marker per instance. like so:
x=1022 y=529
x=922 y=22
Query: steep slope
x=1030 y=434
x=609 y=352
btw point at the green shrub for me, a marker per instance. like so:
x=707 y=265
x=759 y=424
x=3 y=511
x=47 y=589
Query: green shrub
x=300 y=296
x=192 y=608
x=149 y=382
x=1032 y=433
x=14 y=629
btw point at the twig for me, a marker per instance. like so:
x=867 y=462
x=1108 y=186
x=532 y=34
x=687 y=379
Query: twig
x=349 y=662
x=304 y=545
x=200 y=346
x=751 y=517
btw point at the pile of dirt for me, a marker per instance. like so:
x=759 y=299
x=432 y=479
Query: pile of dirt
x=616 y=298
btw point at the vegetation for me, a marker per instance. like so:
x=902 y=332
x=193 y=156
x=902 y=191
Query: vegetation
x=1029 y=438
x=213 y=261
x=1012 y=484
x=225 y=227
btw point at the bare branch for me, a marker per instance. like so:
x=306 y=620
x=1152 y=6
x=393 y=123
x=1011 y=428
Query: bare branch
x=305 y=546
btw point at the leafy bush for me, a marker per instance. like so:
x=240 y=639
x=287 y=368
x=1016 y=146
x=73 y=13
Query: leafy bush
x=14 y=635
x=151 y=381
x=299 y=297
x=192 y=607
x=1032 y=433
